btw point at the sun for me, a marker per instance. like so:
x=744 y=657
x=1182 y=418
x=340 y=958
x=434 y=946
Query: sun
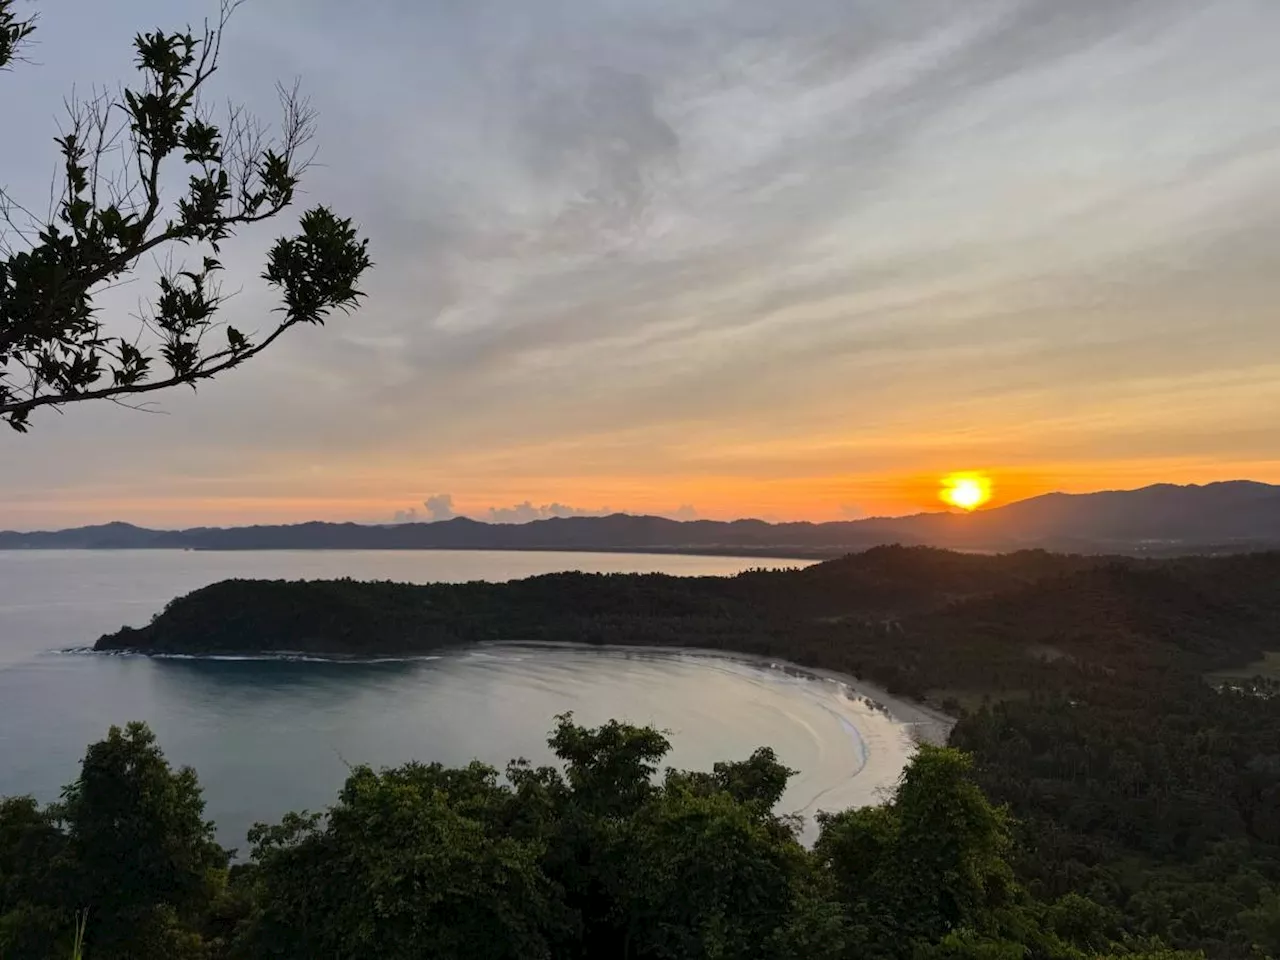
x=968 y=491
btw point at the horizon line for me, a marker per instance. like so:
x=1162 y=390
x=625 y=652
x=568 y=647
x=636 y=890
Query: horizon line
x=642 y=516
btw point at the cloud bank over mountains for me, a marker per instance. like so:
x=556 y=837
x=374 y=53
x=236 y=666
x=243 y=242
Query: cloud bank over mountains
x=440 y=507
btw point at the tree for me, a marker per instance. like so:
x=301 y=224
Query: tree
x=758 y=781
x=33 y=918
x=409 y=863
x=14 y=30
x=598 y=861
x=118 y=151
x=609 y=768
x=425 y=860
x=927 y=875
x=126 y=859
x=141 y=858
x=1263 y=922
x=703 y=876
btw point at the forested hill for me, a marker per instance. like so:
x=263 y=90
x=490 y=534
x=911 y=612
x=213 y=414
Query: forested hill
x=1163 y=519
x=1090 y=691
x=918 y=619
x=346 y=616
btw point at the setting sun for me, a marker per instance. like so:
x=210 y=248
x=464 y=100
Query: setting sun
x=968 y=491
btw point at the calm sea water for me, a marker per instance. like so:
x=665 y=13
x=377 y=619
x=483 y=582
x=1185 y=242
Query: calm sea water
x=268 y=736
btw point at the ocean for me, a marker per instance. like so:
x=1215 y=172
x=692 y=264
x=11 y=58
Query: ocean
x=272 y=735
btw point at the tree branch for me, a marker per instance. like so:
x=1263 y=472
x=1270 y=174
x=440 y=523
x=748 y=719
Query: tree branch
x=54 y=348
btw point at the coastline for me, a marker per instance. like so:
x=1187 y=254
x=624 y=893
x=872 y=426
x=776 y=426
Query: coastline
x=796 y=555
x=928 y=724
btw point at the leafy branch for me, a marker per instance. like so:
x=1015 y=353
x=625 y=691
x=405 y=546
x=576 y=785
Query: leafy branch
x=116 y=153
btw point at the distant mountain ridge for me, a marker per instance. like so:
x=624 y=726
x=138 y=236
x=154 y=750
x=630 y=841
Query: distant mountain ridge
x=1232 y=515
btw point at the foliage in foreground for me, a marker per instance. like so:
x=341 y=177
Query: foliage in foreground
x=116 y=155
x=596 y=858
x=1084 y=687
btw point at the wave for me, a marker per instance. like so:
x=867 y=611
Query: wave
x=273 y=656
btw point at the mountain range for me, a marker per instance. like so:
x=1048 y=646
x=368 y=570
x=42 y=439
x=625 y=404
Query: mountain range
x=1229 y=516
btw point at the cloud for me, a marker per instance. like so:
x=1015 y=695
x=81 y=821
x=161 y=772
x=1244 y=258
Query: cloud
x=440 y=507
x=749 y=234
x=527 y=512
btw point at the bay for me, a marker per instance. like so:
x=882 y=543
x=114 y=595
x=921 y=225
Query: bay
x=272 y=735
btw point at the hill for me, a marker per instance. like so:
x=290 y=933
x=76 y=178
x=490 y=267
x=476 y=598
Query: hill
x=1157 y=520
x=920 y=620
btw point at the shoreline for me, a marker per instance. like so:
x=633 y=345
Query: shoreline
x=816 y=555
x=928 y=723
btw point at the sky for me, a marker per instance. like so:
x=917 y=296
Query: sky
x=713 y=258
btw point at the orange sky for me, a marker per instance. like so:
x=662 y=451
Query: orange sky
x=799 y=498
x=805 y=285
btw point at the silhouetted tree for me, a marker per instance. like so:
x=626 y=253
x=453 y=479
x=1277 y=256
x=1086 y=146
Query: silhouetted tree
x=14 y=30
x=409 y=863
x=141 y=858
x=128 y=847
x=117 y=151
x=591 y=858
